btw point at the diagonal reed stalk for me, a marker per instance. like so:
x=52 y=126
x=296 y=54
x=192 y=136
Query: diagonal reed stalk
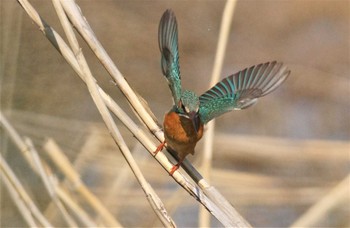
x=15 y=194
x=27 y=151
x=204 y=193
x=152 y=197
x=48 y=182
x=23 y=201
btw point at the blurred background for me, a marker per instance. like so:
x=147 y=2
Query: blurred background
x=272 y=161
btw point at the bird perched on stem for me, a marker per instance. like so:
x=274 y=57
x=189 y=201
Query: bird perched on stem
x=183 y=124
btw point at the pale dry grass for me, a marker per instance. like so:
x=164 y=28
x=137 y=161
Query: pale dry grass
x=272 y=181
x=105 y=173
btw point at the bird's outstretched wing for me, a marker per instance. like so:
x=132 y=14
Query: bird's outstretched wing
x=241 y=90
x=168 y=40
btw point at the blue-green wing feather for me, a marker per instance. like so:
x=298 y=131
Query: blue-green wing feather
x=168 y=45
x=241 y=90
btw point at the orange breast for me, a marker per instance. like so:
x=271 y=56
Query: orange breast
x=180 y=133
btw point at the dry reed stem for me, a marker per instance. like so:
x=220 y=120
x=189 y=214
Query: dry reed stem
x=68 y=201
x=16 y=138
x=62 y=47
x=204 y=218
x=152 y=197
x=77 y=210
x=85 y=31
x=227 y=214
x=62 y=162
x=48 y=184
x=20 y=204
x=18 y=187
x=26 y=150
x=319 y=210
x=124 y=180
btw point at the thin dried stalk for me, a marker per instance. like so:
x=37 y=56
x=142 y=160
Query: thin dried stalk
x=204 y=218
x=64 y=164
x=62 y=47
x=48 y=184
x=77 y=210
x=139 y=107
x=16 y=138
x=26 y=150
x=18 y=187
x=22 y=207
x=85 y=30
x=124 y=180
x=152 y=197
x=319 y=210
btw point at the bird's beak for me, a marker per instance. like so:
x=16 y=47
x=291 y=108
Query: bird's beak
x=195 y=120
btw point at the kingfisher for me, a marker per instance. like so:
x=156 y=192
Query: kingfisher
x=183 y=124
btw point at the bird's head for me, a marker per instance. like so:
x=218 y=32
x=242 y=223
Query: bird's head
x=188 y=107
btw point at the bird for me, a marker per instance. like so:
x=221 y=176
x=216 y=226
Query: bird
x=183 y=125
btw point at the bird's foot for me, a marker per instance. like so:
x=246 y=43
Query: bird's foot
x=175 y=167
x=159 y=148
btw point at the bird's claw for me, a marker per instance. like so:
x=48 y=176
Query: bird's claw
x=159 y=148
x=175 y=167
